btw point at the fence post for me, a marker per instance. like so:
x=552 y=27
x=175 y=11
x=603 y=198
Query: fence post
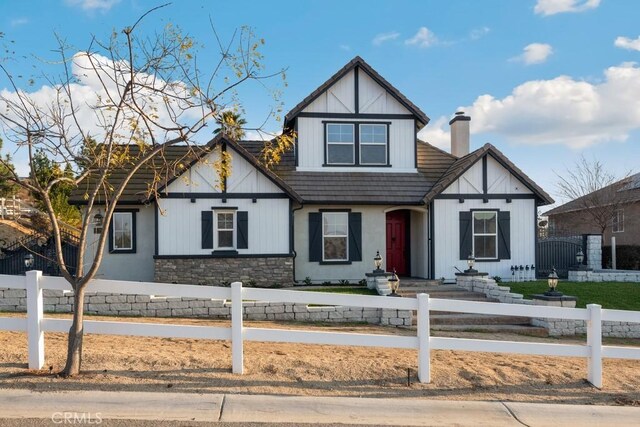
x=35 y=334
x=424 y=346
x=237 y=349
x=594 y=342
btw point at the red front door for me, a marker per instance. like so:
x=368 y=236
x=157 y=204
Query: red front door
x=397 y=242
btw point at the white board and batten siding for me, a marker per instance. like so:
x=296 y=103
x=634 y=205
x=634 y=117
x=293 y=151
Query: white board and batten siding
x=202 y=177
x=447 y=226
x=179 y=221
x=340 y=99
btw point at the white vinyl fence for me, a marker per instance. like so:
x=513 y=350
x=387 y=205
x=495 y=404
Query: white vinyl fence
x=35 y=324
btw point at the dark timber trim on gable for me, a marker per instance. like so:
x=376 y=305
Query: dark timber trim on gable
x=359 y=64
x=356 y=91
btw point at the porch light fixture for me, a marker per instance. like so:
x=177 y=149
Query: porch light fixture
x=377 y=262
x=552 y=281
x=471 y=261
x=28 y=261
x=579 y=257
x=394 y=282
x=97 y=219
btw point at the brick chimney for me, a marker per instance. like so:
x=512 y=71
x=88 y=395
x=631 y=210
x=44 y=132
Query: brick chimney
x=460 y=134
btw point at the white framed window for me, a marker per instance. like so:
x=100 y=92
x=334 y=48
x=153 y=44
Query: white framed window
x=122 y=232
x=373 y=144
x=618 y=221
x=340 y=143
x=225 y=231
x=335 y=236
x=485 y=234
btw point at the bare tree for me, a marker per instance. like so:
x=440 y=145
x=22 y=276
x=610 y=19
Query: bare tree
x=148 y=95
x=594 y=190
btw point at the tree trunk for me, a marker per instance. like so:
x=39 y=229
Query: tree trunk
x=76 y=334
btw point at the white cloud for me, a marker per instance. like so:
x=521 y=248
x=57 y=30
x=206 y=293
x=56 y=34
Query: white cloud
x=534 y=53
x=562 y=110
x=437 y=133
x=385 y=37
x=93 y=5
x=89 y=97
x=345 y=47
x=17 y=22
x=552 y=7
x=627 y=43
x=423 y=38
x=478 y=33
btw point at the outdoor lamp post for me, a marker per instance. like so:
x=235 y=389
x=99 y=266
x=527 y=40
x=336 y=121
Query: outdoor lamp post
x=579 y=257
x=394 y=283
x=28 y=261
x=377 y=262
x=471 y=260
x=552 y=281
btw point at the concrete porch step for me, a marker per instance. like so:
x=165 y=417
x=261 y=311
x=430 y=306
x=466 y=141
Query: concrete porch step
x=477 y=319
x=512 y=329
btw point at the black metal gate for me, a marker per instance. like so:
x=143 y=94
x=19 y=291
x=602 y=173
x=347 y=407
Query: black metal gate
x=42 y=248
x=559 y=253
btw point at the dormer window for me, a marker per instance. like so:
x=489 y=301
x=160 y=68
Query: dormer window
x=340 y=144
x=356 y=144
x=373 y=144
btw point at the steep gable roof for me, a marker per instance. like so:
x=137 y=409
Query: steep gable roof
x=176 y=160
x=461 y=165
x=627 y=190
x=357 y=62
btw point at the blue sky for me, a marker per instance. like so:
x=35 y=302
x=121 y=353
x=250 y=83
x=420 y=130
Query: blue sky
x=543 y=80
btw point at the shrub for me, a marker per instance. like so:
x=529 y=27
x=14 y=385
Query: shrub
x=307 y=281
x=498 y=279
x=344 y=282
x=327 y=283
x=251 y=283
x=362 y=282
x=628 y=257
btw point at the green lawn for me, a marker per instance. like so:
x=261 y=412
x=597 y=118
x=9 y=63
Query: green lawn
x=613 y=295
x=343 y=290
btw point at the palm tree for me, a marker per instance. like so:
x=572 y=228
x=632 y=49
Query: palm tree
x=231 y=124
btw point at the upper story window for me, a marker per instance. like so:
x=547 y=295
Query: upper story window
x=618 y=221
x=373 y=144
x=340 y=144
x=357 y=144
x=485 y=234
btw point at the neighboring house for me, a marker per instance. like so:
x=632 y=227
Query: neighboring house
x=358 y=181
x=618 y=204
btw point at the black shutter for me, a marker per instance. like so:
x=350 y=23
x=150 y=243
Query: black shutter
x=243 y=230
x=504 y=235
x=466 y=245
x=355 y=236
x=315 y=236
x=207 y=229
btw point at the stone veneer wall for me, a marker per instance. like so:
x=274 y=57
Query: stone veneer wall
x=605 y=276
x=594 y=251
x=264 y=271
x=152 y=306
x=556 y=327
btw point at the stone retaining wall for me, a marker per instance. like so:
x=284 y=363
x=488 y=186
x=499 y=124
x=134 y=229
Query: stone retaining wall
x=605 y=276
x=556 y=327
x=275 y=271
x=153 y=306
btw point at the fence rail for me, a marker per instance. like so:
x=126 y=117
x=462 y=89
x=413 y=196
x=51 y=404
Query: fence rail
x=35 y=324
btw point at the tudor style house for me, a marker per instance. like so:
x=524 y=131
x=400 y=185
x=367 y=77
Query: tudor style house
x=358 y=181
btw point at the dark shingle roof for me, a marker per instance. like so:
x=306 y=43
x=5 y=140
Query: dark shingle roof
x=627 y=190
x=170 y=163
x=357 y=62
x=461 y=165
x=363 y=187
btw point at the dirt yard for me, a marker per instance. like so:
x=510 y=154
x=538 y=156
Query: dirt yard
x=197 y=366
